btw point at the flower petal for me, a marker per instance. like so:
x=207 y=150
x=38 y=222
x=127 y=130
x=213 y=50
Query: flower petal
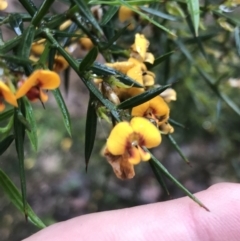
x=2 y=106
x=7 y=94
x=148 y=78
x=136 y=74
x=123 y=66
x=169 y=95
x=86 y=43
x=43 y=96
x=44 y=79
x=125 y=13
x=119 y=137
x=30 y=82
x=145 y=156
x=149 y=57
x=140 y=110
x=65 y=25
x=137 y=62
x=120 y=164
x=33 y=58
x=47 y=79
x=38 y=48
x=140 y=46
x=159 y=108
x=166 y=128
x=60 y=63
x=148 y=134
x=134 y=155
x=3 y=5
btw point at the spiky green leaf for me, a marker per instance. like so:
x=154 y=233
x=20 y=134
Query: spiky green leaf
x=193 y=8
x=63 y=108
x=19 y=133
x=32 y=135
x=159 y=60
x=88 y=60
x=108 y=15
x=16 y=198
x=5 y=143
x=90 y=130
x=141 y=98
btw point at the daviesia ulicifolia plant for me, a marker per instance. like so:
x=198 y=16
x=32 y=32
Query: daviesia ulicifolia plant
x=127 y=54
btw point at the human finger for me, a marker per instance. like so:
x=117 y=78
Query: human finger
x=179 y=219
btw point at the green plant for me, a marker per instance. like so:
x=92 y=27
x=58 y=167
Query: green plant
x=181 y=36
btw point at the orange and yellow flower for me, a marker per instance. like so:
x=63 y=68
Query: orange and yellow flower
x=124 y=145
x=60 y=63
x=148 y=78
x=122 y=66
x=86 y=43
x=38 y=81
x=38 y=47
x=140 y=46
x=139 y=49
x=7 y=95
x=155 y=109
x=135 y=68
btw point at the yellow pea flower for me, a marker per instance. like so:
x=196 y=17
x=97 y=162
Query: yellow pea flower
x=136 y=74
x=122 y=66
x=156 y=109
x=38 y=81
x=120 y=164
x=33 y=58
x=126 y=15
x=149 y=57
x=148 y=78
x=138 y=62
x=38 y=46
x=139 y=48
x=166 y=128
x=65 y=25
x=135 y=68
x=86 y=43
x=3 y=4
x=7 y=95
x=126 y=139
x=169 y=95
x=60 y=63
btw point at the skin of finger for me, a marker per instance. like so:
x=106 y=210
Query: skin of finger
x=180 y=220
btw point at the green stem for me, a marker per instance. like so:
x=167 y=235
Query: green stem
x=60 y=18
x=84 y=76
x=42 y=12
x=178 y=149
x=78 y=19
x=163 y=170
x=29 y=6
